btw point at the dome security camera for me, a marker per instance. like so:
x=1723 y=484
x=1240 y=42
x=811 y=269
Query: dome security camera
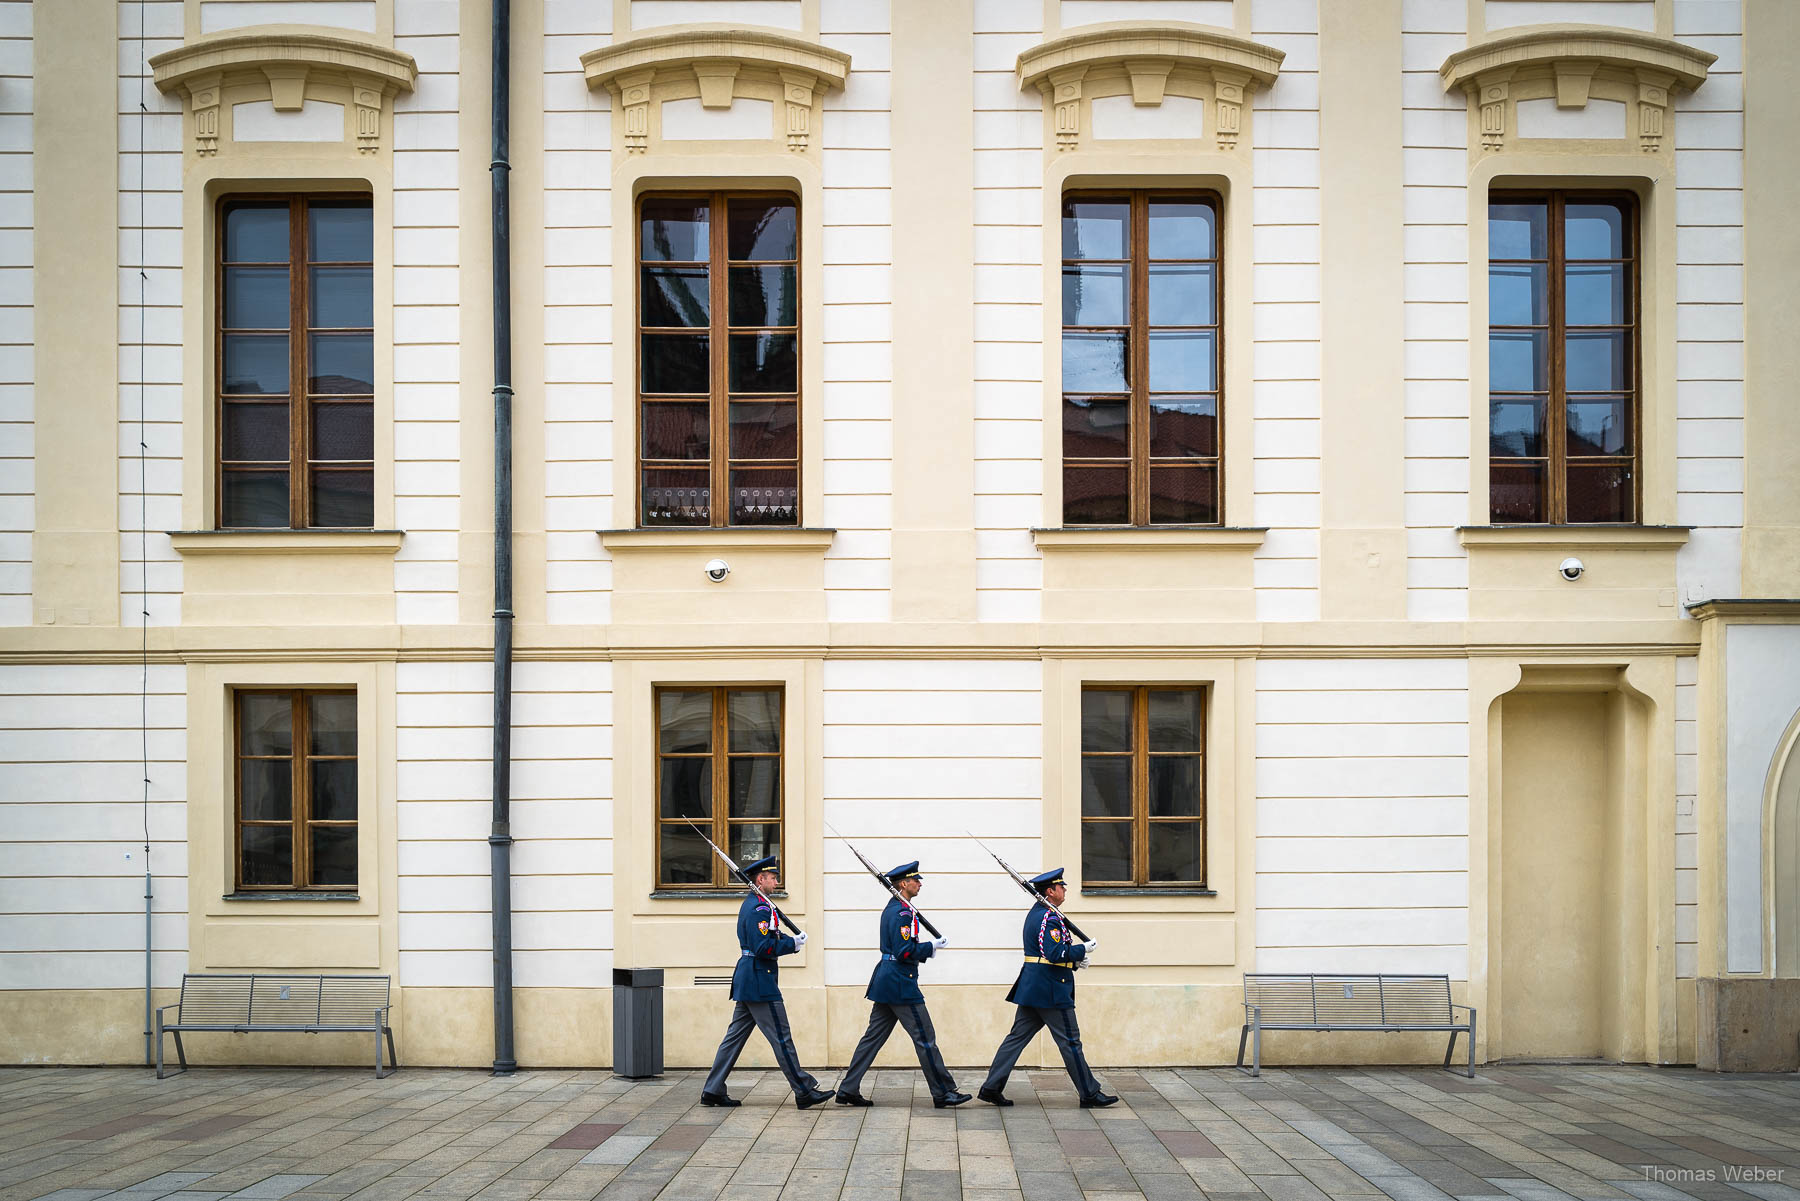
x=1571 y=568
x=717 y=570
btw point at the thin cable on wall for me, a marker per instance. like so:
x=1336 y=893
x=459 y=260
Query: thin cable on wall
x=144 y=520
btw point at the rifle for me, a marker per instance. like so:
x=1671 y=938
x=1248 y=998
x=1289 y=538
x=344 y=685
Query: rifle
x=885 y=882
x=748 y=882
x=1022 y=882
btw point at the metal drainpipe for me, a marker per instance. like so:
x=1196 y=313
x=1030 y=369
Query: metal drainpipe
x=500 y=836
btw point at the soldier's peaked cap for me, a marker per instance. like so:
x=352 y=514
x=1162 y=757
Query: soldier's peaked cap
x=1044 y=880
x=903 y=871
x=761 y=865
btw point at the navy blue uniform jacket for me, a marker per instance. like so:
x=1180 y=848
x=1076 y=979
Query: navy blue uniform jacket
x=895 y=980
x=1047 y=985
x=756 y=977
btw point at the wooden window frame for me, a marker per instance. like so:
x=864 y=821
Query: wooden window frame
x=1140 y=820
x=1137 y=330
x=720 y=757
x=300 y=399
x=719 y=396
x=1555 y=459
x=300 y=781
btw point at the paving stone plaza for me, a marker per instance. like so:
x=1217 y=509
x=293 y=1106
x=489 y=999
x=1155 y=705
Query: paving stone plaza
x=277 y=1134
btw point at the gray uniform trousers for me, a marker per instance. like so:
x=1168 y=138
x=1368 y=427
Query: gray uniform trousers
x=771 y=1018
x=1063 y=1029
x=917 y=1024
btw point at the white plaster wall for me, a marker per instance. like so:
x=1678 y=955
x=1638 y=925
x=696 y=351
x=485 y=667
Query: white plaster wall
x=780 y=14
x=427 y=292
x=72 y=825
x=1284 y=339
x=1362 y=815
x=1762 y=695
x=1687 y=827
x=857 y=341
x=916 y=753
x=1508 y=14
x=561 y=821
x=217 y=16
x=149 y=319
x=1010 y=432
x=17 y=367
x=578 y=294
x=1090 y=12
x=1434 y=126
x=1709 y=306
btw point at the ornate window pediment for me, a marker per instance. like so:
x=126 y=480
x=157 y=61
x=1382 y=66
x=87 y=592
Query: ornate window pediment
x=1573 y=63
x=723 y=66
x=288 y=60
x=1204 y=62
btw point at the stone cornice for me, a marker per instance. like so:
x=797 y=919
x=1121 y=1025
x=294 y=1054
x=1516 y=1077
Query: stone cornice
x=1546 y=45
x=714 y=55
x=1123 y=42
x=285 y=55
x=1149 y=52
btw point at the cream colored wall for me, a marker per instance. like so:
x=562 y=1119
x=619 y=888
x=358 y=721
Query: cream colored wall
x=17 y=279
x=932 y=647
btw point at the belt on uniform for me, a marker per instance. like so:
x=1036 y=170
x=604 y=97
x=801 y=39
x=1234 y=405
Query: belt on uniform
x=1040 y=959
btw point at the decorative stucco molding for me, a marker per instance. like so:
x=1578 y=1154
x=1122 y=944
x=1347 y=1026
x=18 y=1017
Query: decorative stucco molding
x=287 y=58
x=1149 y=53
x=1573 y=55
x=714 y=57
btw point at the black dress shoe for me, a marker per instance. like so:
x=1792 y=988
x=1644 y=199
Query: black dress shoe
x=949 y=1099
x=1099 y=1101
x=856 y=1099
x=993 y=1096
x=817 y=1096
x=718 y=1101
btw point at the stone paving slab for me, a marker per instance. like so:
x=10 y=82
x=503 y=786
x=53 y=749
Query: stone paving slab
x=1517 y=1133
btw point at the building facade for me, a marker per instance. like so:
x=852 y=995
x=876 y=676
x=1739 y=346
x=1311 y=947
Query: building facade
x=1320 y=470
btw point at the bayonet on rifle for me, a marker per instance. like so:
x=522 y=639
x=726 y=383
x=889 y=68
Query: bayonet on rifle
x=748 y=882
x=886 y=883
x=1022 y=882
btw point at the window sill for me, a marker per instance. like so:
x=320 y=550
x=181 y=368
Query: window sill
x=1104 y=536
x=701 y=537
x=1631 y=537
x=1104 y=890
x=291 y=896
x=709 y=894
x=286 y=542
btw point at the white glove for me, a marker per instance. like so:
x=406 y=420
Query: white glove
x=940 y=943
x=1092 y=945
x=800 y=939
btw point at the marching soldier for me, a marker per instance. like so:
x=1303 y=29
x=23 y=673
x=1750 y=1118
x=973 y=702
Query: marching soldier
x=894 y=989
x=756 y=987
x=1045 y=995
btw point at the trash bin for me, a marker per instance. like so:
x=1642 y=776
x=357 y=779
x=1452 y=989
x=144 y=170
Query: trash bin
x=637 y=1023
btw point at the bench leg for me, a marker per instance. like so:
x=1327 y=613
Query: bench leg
x=159 y=1046
x=1450 y=1050
x=393 y=1059
x=1471 y=1044
x=1243 y=1035
x=180 y=1051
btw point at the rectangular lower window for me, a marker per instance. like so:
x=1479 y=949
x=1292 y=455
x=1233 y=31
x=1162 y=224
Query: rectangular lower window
x=295 y=363
x=718 y=771
x=1143 y=786
x=295 y=790
x=1563 y=358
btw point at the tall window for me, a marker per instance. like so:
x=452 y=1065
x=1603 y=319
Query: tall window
x=1562 y=358
x=1141 y=359
x=296 y=363
x=296 y=791
x=1143 y=799
x=719 y=360
x=718 y=765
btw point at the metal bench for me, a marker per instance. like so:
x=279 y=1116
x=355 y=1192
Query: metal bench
x=299 y=1004
x=1274 y=1001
